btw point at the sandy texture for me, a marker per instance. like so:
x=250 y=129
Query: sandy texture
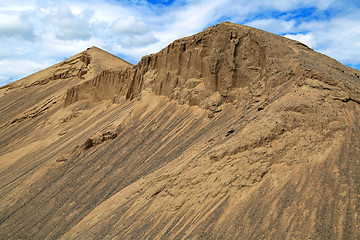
x=233 y=133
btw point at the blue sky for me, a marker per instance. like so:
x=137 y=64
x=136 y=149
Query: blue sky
x=35 y=34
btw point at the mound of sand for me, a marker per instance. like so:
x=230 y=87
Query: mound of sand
x=233 y=133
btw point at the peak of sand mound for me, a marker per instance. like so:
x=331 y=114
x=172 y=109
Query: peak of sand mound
x=232 y=133
x=225 y=63
x=86 y=64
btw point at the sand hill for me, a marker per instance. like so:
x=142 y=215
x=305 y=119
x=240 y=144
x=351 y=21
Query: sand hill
x=233 y=133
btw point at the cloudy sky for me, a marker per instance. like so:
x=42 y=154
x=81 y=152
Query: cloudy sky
x=35 y=34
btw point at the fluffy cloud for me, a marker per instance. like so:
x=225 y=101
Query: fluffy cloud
x=137 y=40
x=13 y=26
x=130 y=26
x=337 y=37
x=70 y=26
x=288 y=5
x=277 y=26
x=308 y=39
x=131 y=33
x=35 y=34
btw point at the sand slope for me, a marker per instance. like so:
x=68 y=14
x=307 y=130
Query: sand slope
x=233 y=133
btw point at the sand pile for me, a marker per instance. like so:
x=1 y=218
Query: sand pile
x=233 y=133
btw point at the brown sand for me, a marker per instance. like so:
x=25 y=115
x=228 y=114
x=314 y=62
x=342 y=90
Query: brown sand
x=233 y=133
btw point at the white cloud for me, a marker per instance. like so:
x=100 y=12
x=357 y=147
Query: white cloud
x=287 y=5
x=130 y=26
x=12 y=26
x=5 y=53
x=308 y=39
x=276 y=26
x=338 y=37
x=70 y=26
x=137 y=40
x=131 y=32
